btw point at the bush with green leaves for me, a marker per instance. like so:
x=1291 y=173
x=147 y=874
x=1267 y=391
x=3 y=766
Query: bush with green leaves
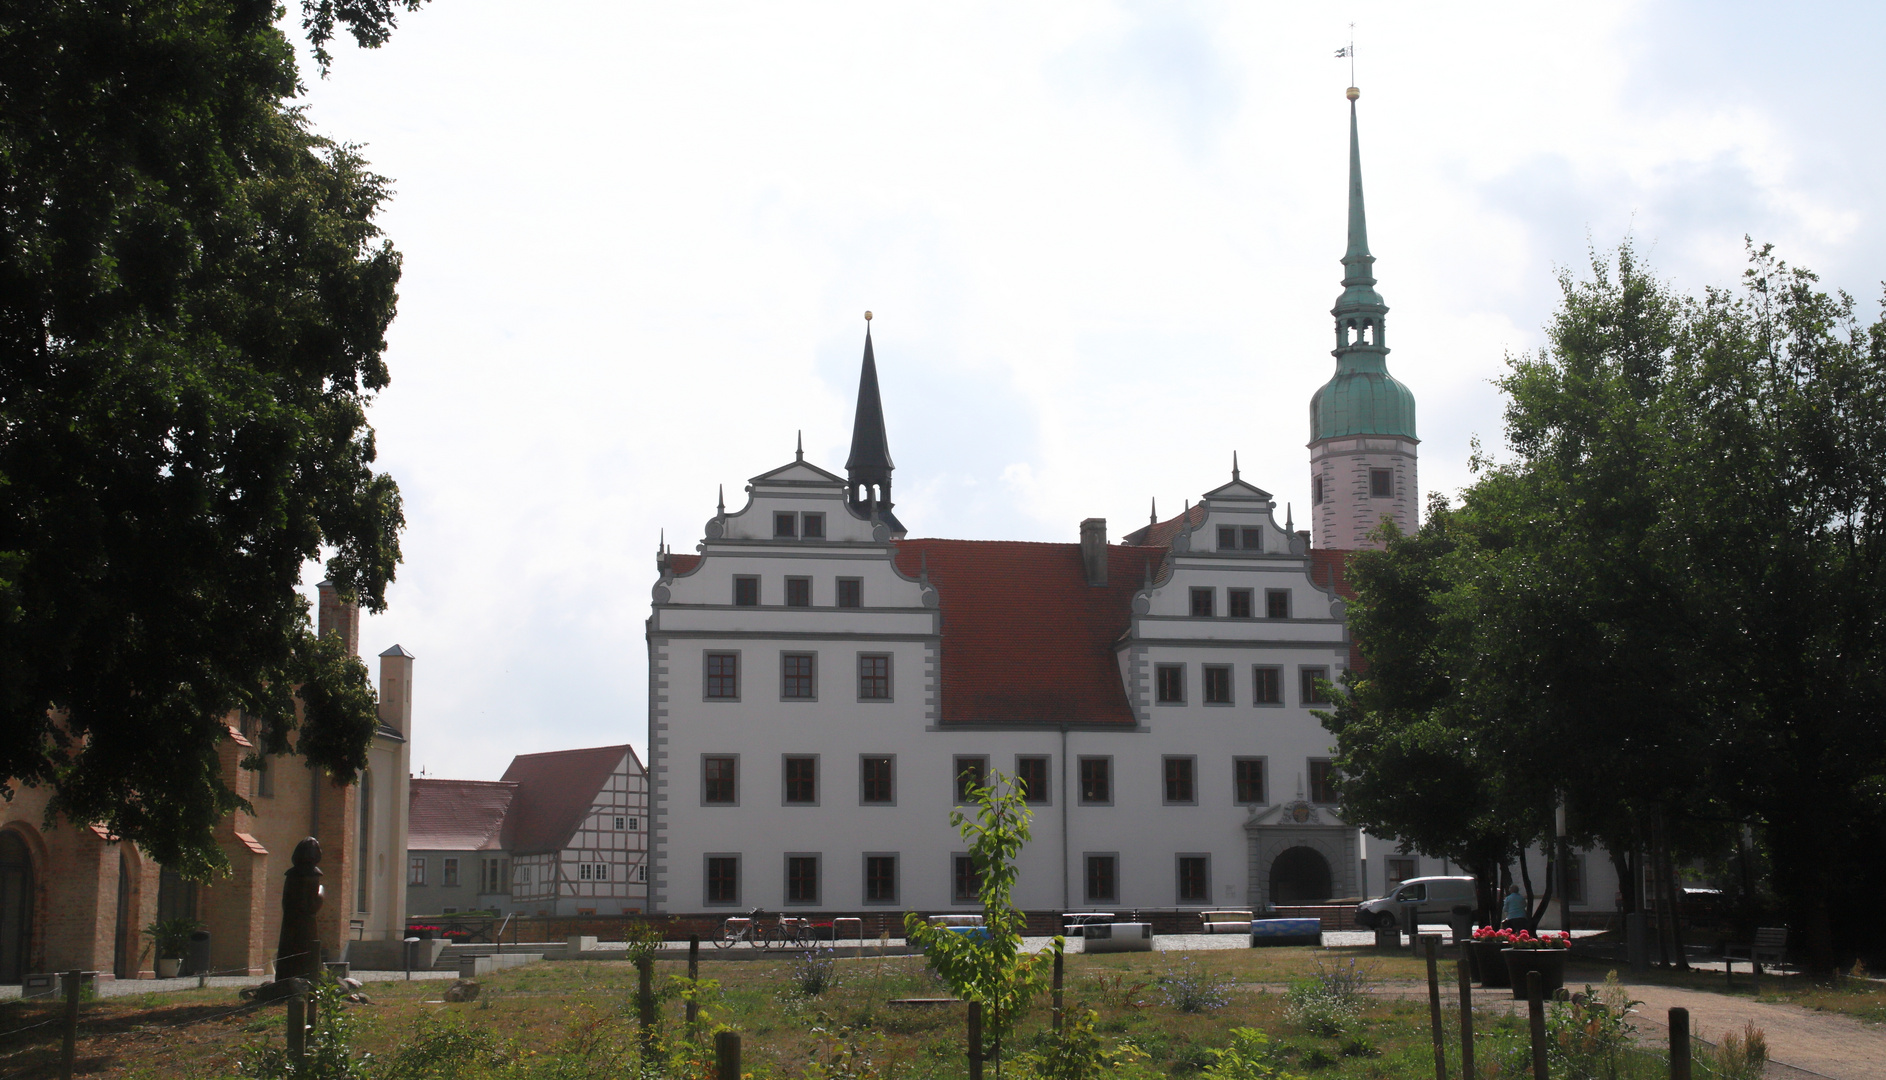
x=1589 y=1035
x=328 y=1052
x=1251 y=1056
x=813 y=971
x=1078 y=1053
x=1329 y=1000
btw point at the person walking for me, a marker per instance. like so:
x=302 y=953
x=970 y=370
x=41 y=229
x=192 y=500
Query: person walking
x=1514 y=910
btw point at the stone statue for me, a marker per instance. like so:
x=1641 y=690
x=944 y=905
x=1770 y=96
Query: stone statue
x=301 y=900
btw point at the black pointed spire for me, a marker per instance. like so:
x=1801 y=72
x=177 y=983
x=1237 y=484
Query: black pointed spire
x=869 y=467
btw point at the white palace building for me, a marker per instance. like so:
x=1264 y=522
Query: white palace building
x=819 y=680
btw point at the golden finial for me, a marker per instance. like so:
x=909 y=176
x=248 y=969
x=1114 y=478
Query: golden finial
x=1352 y=93
x=867 y=316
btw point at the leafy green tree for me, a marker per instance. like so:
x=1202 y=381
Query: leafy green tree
x=988 y=965
x=193 y=306
x=1664 y=608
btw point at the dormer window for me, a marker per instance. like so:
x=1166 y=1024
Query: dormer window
x=812 y=526
x=785 y=525
x=1232 y=538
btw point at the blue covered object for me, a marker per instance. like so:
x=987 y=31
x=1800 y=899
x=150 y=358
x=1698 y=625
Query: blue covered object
x=1286 y=932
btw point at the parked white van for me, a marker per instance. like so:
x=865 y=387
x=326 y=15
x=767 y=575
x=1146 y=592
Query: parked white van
x=1426 y=896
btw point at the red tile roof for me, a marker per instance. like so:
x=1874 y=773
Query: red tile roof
x=1330 y=567
x=456 y=815
x=1160 y=534
x=1025 y=638
x=681 y=564
x=554 y=793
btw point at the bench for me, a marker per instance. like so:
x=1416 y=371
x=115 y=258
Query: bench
x=1769 y=947
x=1286 y=932
x=1235 y=921
x=1117 y=937
x=1072 y=922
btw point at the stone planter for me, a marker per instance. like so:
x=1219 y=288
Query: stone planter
x=167 y=968
x=1488 y=965
x=422 y=934
x=1549 y=963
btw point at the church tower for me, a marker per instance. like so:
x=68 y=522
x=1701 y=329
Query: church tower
x=1362 y=422
x=868 y=469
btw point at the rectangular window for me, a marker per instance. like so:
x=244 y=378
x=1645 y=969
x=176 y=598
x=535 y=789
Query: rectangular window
x=1217 y=685
x=874 y=678
x=1179 y=786
x=1032 y=774
x=634 y=823
x=1096 y=779
x=880 y=879
x=1253 y=539
x=802 y=879
x=621 y=822
x=723 y=879
x=448 y=874
x=795 y=677
x=1311 y=691
x=798 y=592
x=1276 y=603
x=1316 y=491
x=1267 y=686
x=1202 y=606
x=1102 y=877
x=1194 y=879
x=1322 y=781
x=969 y=772
x=416 y=870
x=1169 y=682
x=1227 y=538
x=964 y=881
x=783 y=525
x=582 y=872
x=1381 y=483
x=875 y=780
x=602 y=872
x=718 y=776
x=812 y=526
x=1238 y=603
x=850 y=592
x=1247 y=780
x=802 y=780
x=746 y=592
x=1400 y=870
x=723 y=676
x=1572 y=879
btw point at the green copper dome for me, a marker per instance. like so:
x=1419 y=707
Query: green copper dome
x=1362 y=403
x=1361 y=398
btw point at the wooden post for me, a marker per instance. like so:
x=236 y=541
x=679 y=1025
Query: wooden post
x=726 y=1055
x=694 y=975
x=975 y=1040
x=1535 y=1011
x=1057 y=991
x=69 y=1053
x=1466 y=1019
x=297 y=1029
x=1432 y=942
x=1679 y=1044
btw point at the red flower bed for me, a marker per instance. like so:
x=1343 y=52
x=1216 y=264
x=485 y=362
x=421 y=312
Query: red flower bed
x=1523 y=939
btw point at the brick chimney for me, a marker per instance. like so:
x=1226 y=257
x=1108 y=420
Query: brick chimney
x=337 y=616
x=1094 y=550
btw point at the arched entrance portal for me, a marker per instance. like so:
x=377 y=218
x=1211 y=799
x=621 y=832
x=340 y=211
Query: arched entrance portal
x=16 y=906
x=1300 y=875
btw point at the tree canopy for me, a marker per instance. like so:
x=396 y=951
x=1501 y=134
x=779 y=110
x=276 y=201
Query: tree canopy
x=194 y=299
x=1664 y=606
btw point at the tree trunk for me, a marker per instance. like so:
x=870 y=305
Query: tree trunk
x=1627 y=883
x=1666 y=884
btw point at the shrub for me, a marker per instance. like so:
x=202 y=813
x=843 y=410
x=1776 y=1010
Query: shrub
x=1741 y=1055
x=1589 y=1035
x=443 y=1049
x=329 y=1051
x=1249 y=1057
x=1190 y=989
x=813 y=971
x=1079 y=1054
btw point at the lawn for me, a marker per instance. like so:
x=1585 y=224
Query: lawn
x=1157 y=1014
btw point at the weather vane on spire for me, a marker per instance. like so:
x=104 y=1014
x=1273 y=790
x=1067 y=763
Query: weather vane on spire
x=1349 y=51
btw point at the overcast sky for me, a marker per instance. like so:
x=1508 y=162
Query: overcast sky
x=1101 y=243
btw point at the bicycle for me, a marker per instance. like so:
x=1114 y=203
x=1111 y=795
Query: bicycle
x=754 y=929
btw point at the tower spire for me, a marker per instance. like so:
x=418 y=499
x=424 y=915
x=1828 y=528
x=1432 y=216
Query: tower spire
x=869 y=466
